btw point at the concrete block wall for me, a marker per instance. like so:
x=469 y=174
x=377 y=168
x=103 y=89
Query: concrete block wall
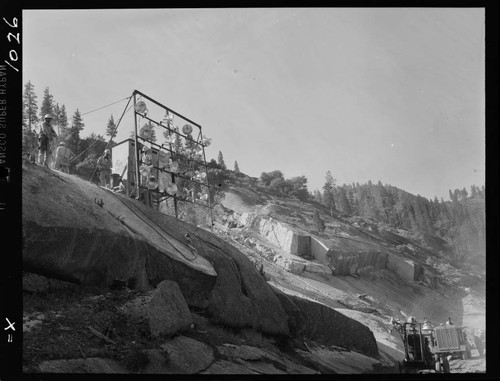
x=301 y=245
x=319 y=251
x=404 y=267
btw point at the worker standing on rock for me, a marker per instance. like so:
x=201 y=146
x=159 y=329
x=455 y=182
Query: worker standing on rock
x=63 y=157
x=449 y=321
x=46 y=137
x=104 y=167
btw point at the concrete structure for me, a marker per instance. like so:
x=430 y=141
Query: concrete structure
x=341 y=262
x=406 y=268
x=301 y=245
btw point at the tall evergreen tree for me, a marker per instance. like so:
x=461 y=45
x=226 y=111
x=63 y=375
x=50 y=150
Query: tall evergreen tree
x=220 y=160
x=473 y=191
x=47 y=106
x=328 y=192
x=30 y=119
x=63 y=121
x=56 y=114
x=344 y=205
x=74 y=131
x=111 y=128
x=236 y=167
x=30 y=106
x=352 y=203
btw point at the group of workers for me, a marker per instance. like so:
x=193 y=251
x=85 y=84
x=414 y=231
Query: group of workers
x=47 y=138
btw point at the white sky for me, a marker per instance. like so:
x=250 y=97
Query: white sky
x=390 y=94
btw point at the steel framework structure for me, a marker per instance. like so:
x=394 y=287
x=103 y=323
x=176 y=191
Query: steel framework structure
x=189 y=163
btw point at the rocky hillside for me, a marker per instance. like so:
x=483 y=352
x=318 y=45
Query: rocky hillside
x=411 y=276
x=112 y=286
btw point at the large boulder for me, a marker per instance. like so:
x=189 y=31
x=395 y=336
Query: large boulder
x=69 y=234
x=167 y=310
x=324 y=325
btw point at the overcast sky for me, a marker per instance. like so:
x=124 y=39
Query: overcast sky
x=389 y=94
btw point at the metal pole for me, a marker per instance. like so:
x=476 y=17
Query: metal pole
x=137 y=174
x=165 y=107
x=208 y=184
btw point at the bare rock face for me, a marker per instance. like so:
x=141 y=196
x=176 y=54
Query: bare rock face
x=76 y=231
x=326 y=326
x=167 y=310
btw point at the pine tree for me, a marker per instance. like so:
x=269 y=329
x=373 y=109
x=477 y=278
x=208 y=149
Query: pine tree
x=111 y=127
x=220 y=161
x=352 y=203
x=473 y=191
x=56 y=118
x=63 y=121
x=318 y=196
x=47 y=106
x=30 y=108
x=328 y=192
x=74 y=131
x=464 y=193
x=344 y=205
x=236 y=167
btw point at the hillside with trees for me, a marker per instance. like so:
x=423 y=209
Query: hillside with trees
x=456 y=228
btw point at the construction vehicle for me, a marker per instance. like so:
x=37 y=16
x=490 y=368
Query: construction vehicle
x=425 y=345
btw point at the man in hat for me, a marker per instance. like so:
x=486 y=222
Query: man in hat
x=104 y=167
x=46 y=137
x=63 y=157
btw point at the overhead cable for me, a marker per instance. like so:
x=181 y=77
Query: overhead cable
x=100 y=108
